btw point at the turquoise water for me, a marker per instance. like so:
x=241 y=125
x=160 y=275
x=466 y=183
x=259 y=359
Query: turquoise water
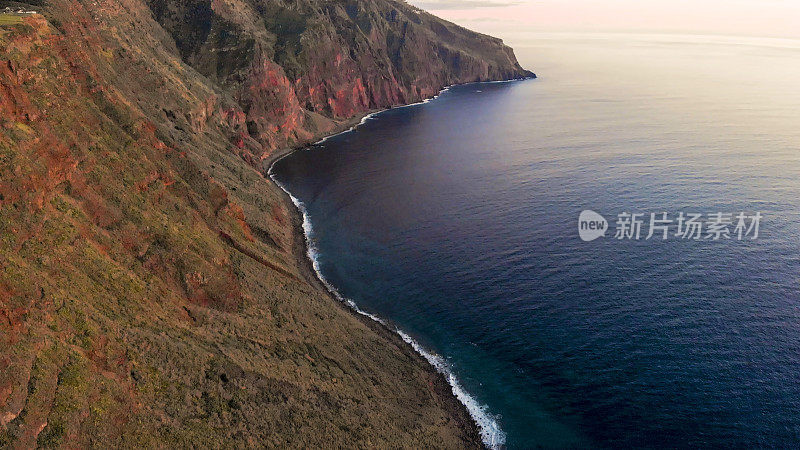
x=456 y=221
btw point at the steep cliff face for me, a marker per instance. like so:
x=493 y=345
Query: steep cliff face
x=153 y=290
x=286 y=62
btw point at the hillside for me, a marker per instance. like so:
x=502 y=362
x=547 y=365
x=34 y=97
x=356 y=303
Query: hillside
x=153 y=289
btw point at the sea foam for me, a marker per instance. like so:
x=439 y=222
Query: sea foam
x=491 y=433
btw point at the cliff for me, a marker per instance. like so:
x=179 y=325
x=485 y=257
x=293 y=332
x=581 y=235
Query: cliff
x=153 y=290
x=295 y=67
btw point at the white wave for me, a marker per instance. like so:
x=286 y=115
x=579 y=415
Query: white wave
x=375 y=113
x=313 y=254
x=491 y=433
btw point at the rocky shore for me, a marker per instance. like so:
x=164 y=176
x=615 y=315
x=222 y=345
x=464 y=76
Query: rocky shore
x=154 y=289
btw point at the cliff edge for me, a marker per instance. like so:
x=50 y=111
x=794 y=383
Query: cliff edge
x=153 y=286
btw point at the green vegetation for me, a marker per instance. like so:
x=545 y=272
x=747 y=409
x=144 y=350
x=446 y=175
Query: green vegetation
x=10 y=19
x=153 y=291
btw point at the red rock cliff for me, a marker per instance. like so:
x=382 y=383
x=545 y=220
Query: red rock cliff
x=153 y=290
x=289 y=64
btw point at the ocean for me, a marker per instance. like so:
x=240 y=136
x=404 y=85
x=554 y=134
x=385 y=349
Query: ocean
x=456 y=222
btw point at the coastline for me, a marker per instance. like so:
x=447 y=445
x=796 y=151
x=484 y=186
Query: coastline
x=482 y=424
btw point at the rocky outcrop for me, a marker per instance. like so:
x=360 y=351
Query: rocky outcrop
x=153 y=288
x=285 y=61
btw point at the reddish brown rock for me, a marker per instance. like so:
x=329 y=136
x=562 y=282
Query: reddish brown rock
x=154 y=290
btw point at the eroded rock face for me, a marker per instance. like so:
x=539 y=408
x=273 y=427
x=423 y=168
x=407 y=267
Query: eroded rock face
x=153 y=290
x=337 y=59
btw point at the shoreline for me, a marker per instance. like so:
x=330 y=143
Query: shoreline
x=483 y=424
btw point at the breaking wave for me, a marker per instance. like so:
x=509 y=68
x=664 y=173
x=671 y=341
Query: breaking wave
x=491 y=433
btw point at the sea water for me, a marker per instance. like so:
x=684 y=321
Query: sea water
x=456 y=222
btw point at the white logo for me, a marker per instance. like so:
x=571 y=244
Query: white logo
x=689 y=226
x=591 y=225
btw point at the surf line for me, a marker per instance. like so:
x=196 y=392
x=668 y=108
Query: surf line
x=491 y=433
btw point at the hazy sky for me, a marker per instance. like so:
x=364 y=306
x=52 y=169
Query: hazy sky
x=511 y=19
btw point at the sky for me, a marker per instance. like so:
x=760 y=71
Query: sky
x=513 y=19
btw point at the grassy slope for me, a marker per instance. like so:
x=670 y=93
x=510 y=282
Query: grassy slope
x=139 y=298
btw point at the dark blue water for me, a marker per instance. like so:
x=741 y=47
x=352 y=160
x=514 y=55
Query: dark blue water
x=457 y=221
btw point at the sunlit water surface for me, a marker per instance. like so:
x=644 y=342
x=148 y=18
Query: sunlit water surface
x=456 y=220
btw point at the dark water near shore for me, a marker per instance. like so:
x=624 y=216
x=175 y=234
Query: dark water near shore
x=457 y=221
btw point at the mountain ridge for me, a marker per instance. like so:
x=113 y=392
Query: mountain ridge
x=296 y=66
x=153 y=285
